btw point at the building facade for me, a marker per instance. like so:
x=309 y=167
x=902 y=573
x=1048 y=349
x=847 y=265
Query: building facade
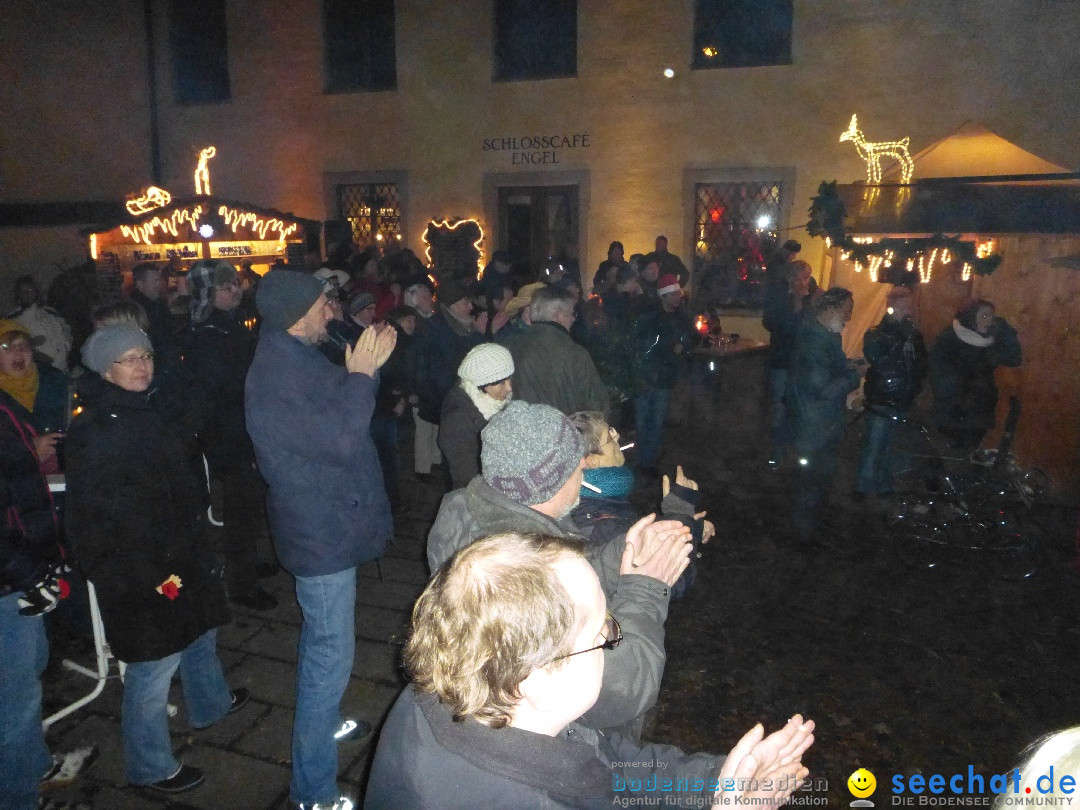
x=559 y=126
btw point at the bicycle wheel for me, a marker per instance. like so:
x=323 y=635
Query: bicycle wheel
x=1013 y=545
x=921 y=539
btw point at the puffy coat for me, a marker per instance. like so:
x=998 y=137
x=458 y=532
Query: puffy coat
x=425 y=759
x=821 y=379
x=310 y=423
x=442 y=343
x=551 y=369
x=28 y=533
x=135 y=512
x=898 y=363
x=52 y=405
x=633 y=669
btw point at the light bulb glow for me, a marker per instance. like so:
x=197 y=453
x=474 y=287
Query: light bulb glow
x=153 y=197
x=669 y=73
x=453 y=226
x=965 y=273
x=237 y=219
x=763 y=222
x=873 y=151
x=202 y=171
x=143 y=232
x=206 y=230
x=93 y=246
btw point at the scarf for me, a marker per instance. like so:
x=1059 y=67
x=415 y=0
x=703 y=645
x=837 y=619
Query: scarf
x=488 y=406
x=613 y=482
x=22 y=389
x=970 y=336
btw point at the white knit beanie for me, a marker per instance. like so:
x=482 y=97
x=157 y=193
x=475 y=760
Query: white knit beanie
x=485 y=364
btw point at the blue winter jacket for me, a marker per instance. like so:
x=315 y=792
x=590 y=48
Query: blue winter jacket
x=309 y=421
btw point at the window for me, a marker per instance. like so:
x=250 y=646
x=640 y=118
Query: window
x=200 y=51
x=734 y=228
x=360 y=47
x=373 y=211
x=535 y=39
x=742 y=33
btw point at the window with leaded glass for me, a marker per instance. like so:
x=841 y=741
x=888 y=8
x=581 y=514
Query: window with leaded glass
x=373 y=211
x=735 y=227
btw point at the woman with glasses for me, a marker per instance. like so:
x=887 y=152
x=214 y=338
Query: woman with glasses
x=136 y=519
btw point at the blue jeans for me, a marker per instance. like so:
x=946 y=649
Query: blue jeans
x=778 y=409
x=650 y=411
x=324 y=663
x=144 y=721
x=24 y=759
x=875 y=474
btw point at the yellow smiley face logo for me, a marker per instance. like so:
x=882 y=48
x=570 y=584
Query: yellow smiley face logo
x=861 y=783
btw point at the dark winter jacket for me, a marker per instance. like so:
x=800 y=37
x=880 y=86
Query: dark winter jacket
x=29 y=545
x=962 y=375
x=310 y=424
x=135 y=513
x=551 y=369
x=782 y=321
x=459 y=436
x=398 y=378
x=218 y=356
x=898 y=363
x=426 y=759
x=53 y=402
x=821 y=379
x=166 y=345
x=633 y=669
x=442 y=343
x=663 y=341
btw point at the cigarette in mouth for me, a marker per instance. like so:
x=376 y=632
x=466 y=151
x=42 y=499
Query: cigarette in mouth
x=597 y=490
x=626 y=446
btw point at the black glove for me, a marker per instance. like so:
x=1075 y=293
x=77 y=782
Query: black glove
x=46 y=594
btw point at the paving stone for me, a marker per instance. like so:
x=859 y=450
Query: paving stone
x=120 y=798
x=105 y=734
x=396 y=569
x=235 y=781
x=270 y=681
x=368 y=700
x=397 y=595
x=381 y=624
x=274 y=640
x=380 y=662
x=236 y=632
x=269 y=737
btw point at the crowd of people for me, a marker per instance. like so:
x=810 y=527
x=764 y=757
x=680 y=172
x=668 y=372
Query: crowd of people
x=279 y=403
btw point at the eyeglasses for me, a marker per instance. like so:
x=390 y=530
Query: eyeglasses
x=135 y=360
x=15 y=346
x=228 y=285
x=612 y=636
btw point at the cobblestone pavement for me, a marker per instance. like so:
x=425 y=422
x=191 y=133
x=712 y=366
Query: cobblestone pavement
x=903 y=671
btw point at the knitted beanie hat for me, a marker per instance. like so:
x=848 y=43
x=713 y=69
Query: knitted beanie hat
x=285 y=296
x=485 y=364
x=105 y=345
x=529 y=451
x=203 y=277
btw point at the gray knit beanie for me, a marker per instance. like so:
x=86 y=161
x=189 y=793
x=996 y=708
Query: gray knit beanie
x=485 y=364
x=529 y=451
x=285 y=296
x=105 y=345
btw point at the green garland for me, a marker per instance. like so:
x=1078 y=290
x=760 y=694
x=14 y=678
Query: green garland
x=828 y=219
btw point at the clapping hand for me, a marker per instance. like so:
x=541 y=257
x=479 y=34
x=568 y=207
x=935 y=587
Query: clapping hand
x=373 y=348
x=766 y=770
x=658 y=549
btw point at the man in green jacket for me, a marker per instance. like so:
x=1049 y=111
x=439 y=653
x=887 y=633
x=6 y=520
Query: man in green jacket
x=550 y=368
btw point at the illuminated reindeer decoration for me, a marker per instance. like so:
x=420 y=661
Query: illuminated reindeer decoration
x=872 y=153
x=202 y=171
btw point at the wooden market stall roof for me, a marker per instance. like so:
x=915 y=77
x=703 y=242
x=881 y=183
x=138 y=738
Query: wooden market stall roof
x=211 y=206
x=1048 y=204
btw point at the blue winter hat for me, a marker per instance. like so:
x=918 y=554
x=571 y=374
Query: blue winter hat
x=284 y=297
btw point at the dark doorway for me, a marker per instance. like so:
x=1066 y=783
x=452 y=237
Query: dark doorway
x=538 y=222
